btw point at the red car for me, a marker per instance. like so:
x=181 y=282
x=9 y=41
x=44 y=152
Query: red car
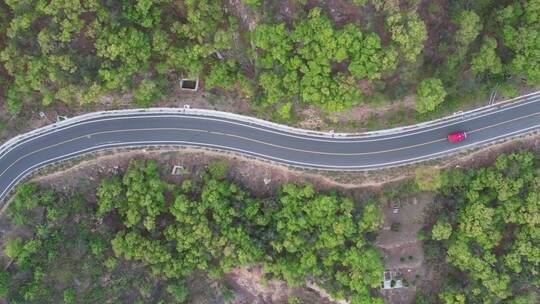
x=457 y=136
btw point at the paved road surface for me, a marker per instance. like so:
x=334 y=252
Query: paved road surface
x=359 y=153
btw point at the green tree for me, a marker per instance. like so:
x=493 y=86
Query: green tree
x=527 y=298
x=372 y=218
x=298 y=62
x=409 y=32
x=470 y=25
x=368 y=59
x=276 y=42
x=142 y=196
x=83 y=49
x=272 y=86
x=26 y=199
x=360 y=2
x=328 y=220
x=429 y=94
x=148 y=92
x=13 y=100
x=70 y=295
x=452 y=297
x=223 y=75
x=219 y=168
x=491 y=210
x=520 y=23
x=486 y=60
x=428 y=178
x=4 y=283
x=14 y=247
x=209 y=225
x=110 y=193
x=285 y=111
x=179 y=291
x=133 y=246
x=441 y=231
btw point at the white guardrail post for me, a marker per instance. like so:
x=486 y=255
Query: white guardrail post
x=187 y=110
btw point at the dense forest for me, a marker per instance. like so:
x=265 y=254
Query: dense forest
x=174 y=230
x=445 y=52
x=487 y=233
x=145 y=238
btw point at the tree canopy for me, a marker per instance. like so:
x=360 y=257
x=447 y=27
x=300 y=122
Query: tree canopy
x=85 y=49
x=298 y=61
x=520 y=23
x=470 y=26
x=486 y=60
x=73 y=53
x=429 y=94
x=216 y=225
x=491 y=231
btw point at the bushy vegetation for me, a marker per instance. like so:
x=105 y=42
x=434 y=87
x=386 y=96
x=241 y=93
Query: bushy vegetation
x=299 y=61
x=520 y=22
x=65 y=257
x=85 y=49
x=209 y=225
x=429 y=94
x=73 y=52
x=489 y=232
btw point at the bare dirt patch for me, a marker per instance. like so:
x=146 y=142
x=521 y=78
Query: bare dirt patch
x=242 y=11
x=273 y=291
x=361 y=113
x=285 y=11
x=204 y=290
x=401 y=249
x=252 y=289
x=357 y=118
x=342 y=12
x=435 y=14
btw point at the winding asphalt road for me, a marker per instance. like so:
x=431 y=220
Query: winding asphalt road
x=298 y=149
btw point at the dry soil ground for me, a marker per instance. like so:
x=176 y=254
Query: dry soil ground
x=402 y=251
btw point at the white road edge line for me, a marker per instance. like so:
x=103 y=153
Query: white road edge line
x=450 y=122
x=263 y=156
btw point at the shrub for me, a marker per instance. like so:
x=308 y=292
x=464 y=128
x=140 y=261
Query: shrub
x=69 y=296
x=219 y=168
x=441 y=231
x=4 y=283
x=421 y=235
x=14 y=247
x=428 y=178
x=148 y=92
x=179 y=291
x=430 y=93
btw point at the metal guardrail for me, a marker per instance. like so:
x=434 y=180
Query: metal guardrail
x=13 y=142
